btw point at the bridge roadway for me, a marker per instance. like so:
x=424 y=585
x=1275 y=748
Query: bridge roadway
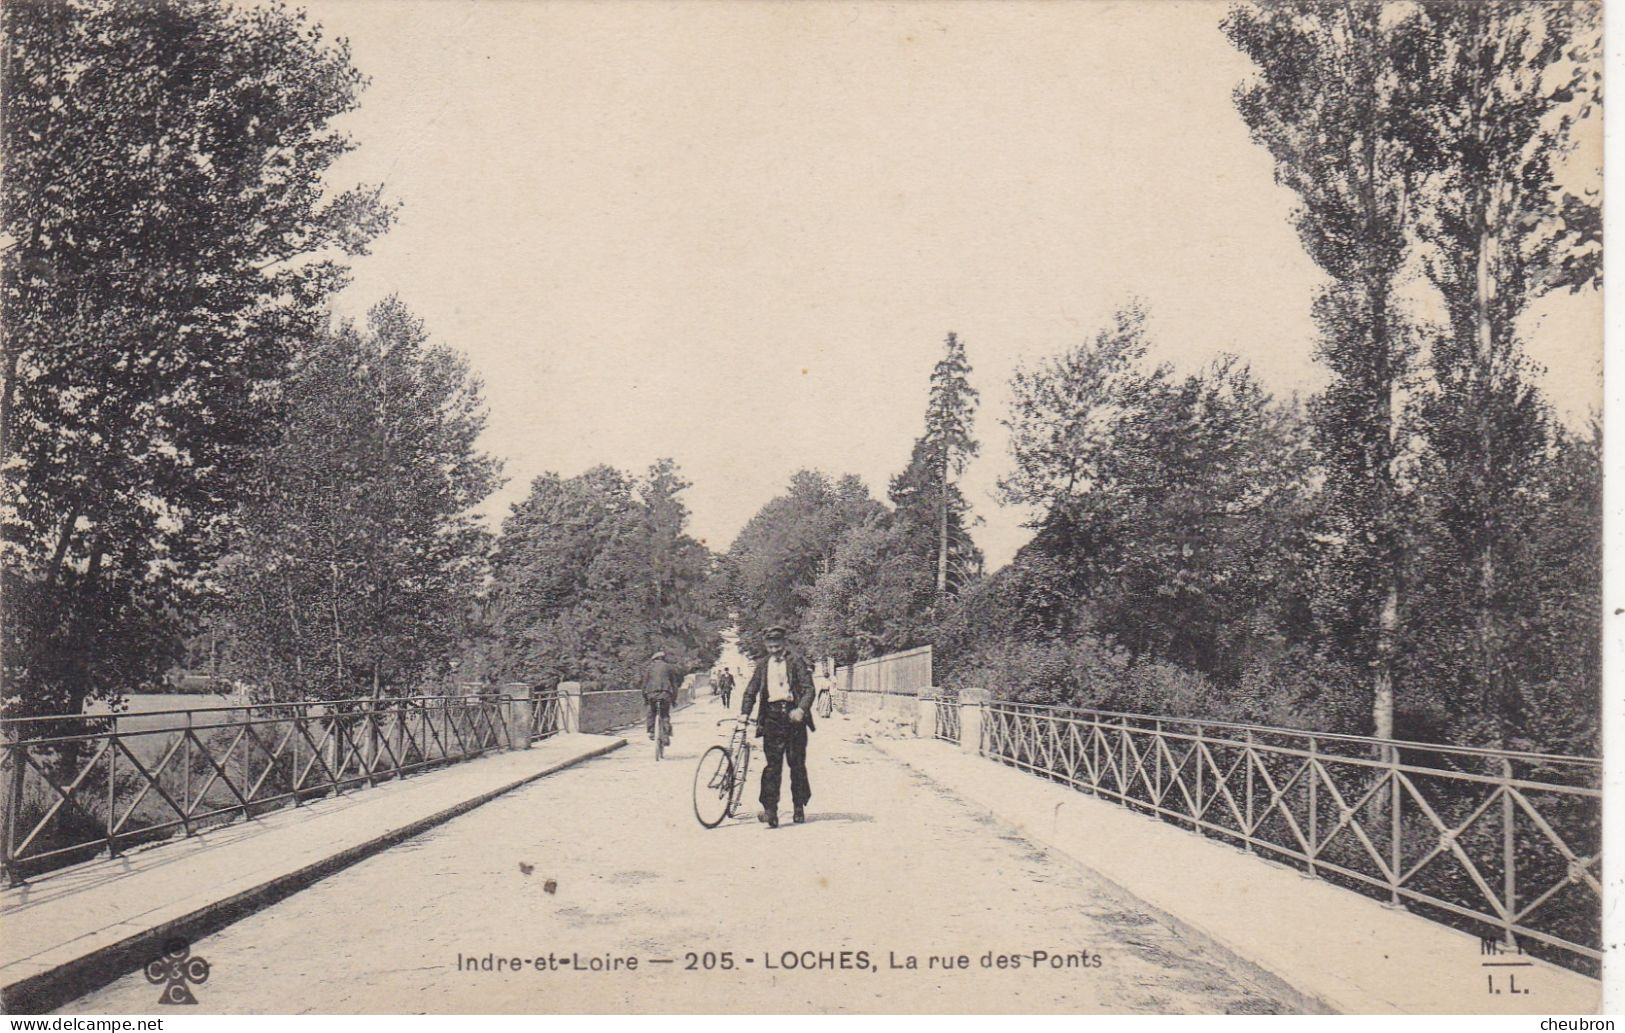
x=888 y=863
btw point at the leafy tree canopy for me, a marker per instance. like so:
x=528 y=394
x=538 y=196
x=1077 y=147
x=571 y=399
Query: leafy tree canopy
x=168 y=238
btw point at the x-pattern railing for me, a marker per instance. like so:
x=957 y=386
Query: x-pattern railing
x=76 y=785
x=546 y=715
x=1503 y=839
x=947 y=718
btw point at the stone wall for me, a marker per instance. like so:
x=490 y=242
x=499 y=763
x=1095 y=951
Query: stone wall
x=604 y=710
x=885 y=713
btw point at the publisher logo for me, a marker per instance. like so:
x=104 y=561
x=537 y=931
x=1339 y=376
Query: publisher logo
x=174 y=970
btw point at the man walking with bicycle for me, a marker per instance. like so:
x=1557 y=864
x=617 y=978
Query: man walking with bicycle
x=782 y=690
x=660 y=683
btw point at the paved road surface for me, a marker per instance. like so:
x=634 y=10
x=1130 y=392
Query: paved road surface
x=887 y=864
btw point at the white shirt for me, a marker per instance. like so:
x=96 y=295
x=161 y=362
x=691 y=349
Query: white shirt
x=778 y=680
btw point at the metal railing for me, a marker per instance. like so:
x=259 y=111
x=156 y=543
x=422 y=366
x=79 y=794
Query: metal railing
x=947 y=718
x=1496 y=841
x=546 y=715
x=78 y=785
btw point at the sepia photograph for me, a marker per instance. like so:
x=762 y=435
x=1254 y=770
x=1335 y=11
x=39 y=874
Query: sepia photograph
x=753 y=507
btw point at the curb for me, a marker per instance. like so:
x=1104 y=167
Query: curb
x=1304 y=1001
x=46 y=991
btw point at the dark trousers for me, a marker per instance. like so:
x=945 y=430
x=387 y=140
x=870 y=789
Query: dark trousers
x=727 y=694
x=783 y=739
x=662 y=706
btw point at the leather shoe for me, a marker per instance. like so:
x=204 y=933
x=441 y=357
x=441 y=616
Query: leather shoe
x=801 y=816
x=772 y=819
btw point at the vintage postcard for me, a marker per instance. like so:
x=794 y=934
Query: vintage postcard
x=546 y=506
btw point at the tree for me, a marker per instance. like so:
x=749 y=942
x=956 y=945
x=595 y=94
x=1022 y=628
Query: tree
x=676 y=587
x=939 y=457
x=168 y=239
x=1063 y=412
x=779 y=555
x=1504 y=92
x=359 y=556
x=1339 y=101
x=592 y=573
x=1176 y=511
x=876 y=597
x=889 y=576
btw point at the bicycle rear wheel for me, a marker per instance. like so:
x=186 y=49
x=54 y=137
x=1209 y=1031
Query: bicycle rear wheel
x=713 y=787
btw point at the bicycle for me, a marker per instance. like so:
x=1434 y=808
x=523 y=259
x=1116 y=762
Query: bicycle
x=662 y=727
x=719 y=781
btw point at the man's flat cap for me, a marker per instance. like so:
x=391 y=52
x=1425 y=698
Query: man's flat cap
x=773 y=631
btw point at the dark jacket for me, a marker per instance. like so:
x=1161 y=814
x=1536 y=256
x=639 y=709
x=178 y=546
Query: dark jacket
x=661 y=679
x=801 y=687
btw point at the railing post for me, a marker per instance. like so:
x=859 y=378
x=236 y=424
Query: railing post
x=336 y=728
x=518 y=714
x=1096 y=736
x=1396 y=827
x=1198 y=754
x=186 y=791
x=569 y=704
x=1248 y=757
x=972 y=714
x=14 y=803
x=445 y=730
x=293 y=742
x=1122 y=760
x=1509 y=858
x=112 y=781
x=242 y=764
x=1312 y=769
x=925 y=715
x=1157 y=746
x=372 y=741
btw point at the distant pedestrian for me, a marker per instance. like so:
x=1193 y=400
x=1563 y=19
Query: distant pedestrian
x=725 y=685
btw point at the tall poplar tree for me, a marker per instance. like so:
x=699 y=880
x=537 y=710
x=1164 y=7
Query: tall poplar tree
x=1338 y=100
x=1505 y=90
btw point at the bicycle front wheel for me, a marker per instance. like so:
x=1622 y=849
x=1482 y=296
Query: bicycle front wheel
x=713 y=787
x=741 y=769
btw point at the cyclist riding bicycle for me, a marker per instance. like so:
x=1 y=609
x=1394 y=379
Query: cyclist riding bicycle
x=660 y=683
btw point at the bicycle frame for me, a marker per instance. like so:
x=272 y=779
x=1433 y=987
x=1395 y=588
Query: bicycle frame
x=739 y=752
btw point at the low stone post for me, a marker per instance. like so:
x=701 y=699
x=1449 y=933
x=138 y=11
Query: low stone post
x=970 y=719
x=516 y=714
x=569 y=706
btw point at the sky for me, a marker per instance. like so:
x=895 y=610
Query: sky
x=736 y=234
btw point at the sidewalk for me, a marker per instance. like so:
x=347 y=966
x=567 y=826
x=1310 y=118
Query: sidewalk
x=66 y=932
x=1351 y=954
